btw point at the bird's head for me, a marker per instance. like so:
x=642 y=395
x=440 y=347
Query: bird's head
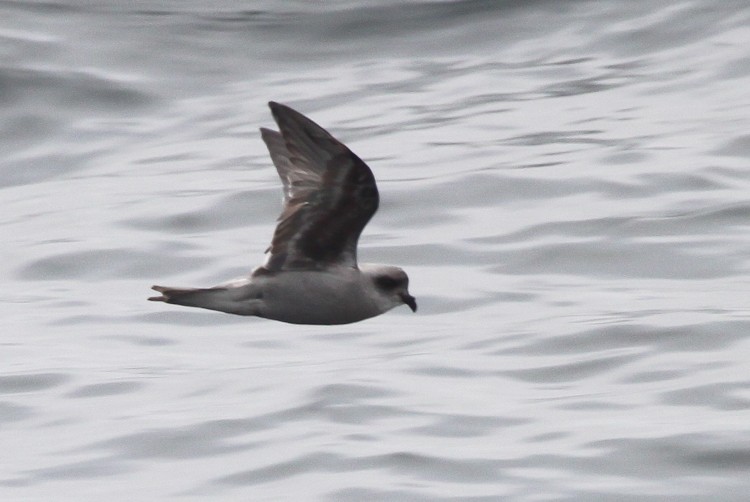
x=392 y=284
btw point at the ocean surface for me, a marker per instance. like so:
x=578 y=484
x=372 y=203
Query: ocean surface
x=567 y=184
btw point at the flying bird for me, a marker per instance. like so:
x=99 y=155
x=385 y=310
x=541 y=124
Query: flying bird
x=310 y=274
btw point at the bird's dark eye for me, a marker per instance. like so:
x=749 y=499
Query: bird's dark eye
x=386 y=282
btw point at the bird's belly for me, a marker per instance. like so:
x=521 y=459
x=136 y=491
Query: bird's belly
x=309 y=297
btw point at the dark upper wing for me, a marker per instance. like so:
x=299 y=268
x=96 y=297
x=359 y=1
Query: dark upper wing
x=329 y=195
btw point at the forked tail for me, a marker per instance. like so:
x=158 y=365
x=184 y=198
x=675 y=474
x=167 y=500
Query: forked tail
x=178 y=296
x=207 y=298
x=218 y=298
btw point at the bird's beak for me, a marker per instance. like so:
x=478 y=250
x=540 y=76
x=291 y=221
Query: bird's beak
x=409 y=300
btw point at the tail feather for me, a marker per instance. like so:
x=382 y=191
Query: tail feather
x=220 y=298
x=172 y=295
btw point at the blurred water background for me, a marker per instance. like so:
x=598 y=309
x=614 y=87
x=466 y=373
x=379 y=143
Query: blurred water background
x=566 y=183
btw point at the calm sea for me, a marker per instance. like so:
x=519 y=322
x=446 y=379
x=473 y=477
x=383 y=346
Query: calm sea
x=567 y=184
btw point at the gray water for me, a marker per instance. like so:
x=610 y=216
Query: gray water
x=566 y=184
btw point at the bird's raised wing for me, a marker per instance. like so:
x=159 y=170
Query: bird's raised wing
x=329 y=195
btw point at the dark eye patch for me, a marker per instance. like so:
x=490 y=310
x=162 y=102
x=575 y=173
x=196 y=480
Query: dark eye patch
x=387 y=283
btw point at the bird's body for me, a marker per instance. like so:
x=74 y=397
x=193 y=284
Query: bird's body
x=311 y=275
x=316 y=296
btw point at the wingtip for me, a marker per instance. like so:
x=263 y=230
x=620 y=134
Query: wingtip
x=266 y=132
x=276 y=109
x=279 y=110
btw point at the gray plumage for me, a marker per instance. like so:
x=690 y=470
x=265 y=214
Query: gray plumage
x=311 y=274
